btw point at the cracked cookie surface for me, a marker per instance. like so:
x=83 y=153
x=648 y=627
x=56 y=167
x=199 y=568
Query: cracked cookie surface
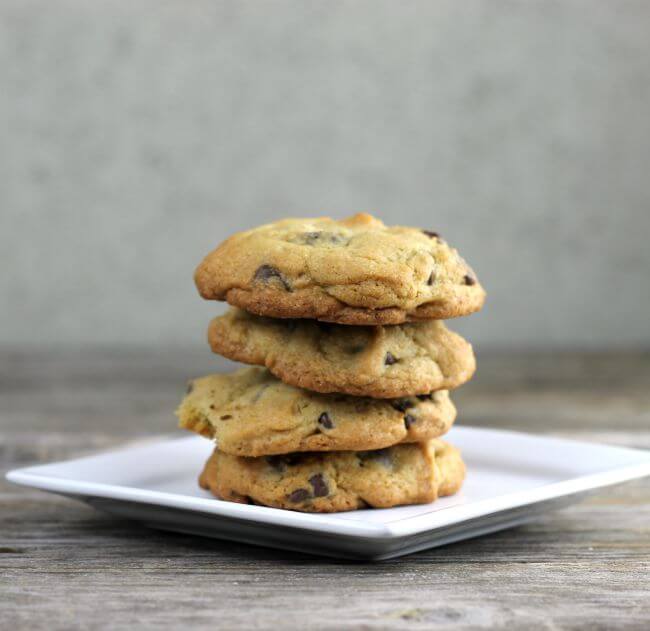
x=374 y=361
x=252 y=413
x=338 y=481
x=352 y=271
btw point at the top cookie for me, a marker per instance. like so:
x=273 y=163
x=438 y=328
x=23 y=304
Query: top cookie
x=353 y=271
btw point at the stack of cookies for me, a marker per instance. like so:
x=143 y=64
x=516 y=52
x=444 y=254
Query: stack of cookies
x=348 y=396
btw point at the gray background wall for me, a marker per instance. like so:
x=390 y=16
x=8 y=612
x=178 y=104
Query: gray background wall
x=136 y=135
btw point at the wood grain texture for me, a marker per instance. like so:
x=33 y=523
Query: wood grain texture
x=63 y=565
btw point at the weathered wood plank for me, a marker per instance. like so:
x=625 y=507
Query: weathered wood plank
x=63 y=565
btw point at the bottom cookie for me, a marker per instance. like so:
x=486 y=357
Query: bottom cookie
x=415 y=473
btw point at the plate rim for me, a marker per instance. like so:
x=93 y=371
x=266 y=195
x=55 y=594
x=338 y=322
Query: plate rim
x=34 y=476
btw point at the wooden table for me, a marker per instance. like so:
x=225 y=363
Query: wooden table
x=63 y=565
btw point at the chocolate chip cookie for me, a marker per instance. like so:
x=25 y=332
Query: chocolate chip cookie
x=338 y=481
x=251 y=413
x=371 y=361
x=353 y=271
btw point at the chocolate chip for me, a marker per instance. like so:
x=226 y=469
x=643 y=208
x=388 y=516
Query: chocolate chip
x=267 y=273
x=401 y=405
x=225 y=417
x=409 y=419
x=319 y=236
x=319 y=485
x=431 y=278
x=424 y=397
x=280 y=463
x=390 y=359
x=382 y=456
x=299 y=495
x=325 y=421
x=190 y=387
x=430 y=234
x=469 y=280
x=336 y=238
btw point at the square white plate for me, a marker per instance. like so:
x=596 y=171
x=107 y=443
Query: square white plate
x=511 y=478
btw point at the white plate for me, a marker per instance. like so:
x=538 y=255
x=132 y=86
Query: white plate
x=512 y=477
